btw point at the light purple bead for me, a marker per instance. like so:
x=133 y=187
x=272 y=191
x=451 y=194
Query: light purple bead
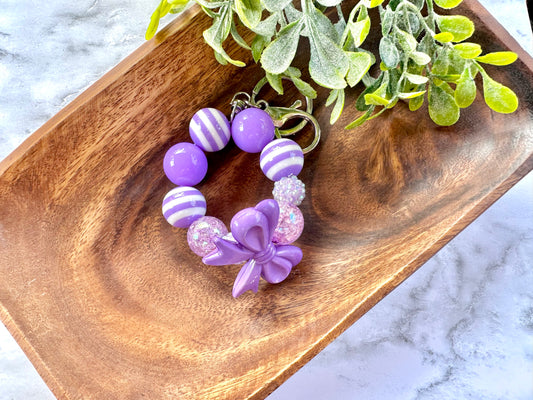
x=210 y=129
x=289 y=190
x=202 y=233
x=290 y=224
x=183 y=205
x=185 y=164
x=280 y=158
x=252 y=129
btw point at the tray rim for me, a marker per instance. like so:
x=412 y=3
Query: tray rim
x=358 y=309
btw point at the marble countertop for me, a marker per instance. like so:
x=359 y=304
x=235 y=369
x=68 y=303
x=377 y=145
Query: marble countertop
x=460 y=327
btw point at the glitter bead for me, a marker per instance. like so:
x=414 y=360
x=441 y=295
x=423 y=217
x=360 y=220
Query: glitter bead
x=281 y=157
x=210 y=129
x=290 y=224
x=202 y=233
x=289 y=190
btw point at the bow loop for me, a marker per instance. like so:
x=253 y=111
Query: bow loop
x=277 y=269
x=254 y=227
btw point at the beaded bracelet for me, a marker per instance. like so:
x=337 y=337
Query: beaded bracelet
x=260 y=236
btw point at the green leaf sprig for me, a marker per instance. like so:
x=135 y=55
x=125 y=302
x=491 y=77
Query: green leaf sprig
x=422 y=54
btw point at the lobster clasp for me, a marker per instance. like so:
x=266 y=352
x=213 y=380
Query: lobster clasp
x=279 y=115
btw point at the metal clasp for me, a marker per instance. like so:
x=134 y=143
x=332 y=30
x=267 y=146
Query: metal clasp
x=279 y=115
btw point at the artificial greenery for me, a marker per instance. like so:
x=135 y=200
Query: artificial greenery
x=421 y=53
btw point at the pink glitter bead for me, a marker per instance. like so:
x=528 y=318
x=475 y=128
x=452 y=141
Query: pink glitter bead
x=289 y=189
x=202 y=233
x=290 y=224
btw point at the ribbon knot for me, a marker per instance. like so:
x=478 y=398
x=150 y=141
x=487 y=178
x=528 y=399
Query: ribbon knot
x=252 y=229
x=266 y=255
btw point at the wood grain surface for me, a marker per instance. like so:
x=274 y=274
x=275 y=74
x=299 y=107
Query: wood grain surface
x=108 y=301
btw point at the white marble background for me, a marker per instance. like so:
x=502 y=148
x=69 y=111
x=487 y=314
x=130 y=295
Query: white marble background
x=460 y=328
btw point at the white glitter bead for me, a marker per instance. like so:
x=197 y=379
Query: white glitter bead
x=289 y=190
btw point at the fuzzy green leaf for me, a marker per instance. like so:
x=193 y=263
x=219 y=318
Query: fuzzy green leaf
x=375 y=3
x=359 y=31
x=162 y=9
x=249 y=12
x=328 y=64
x=275 y=82
x=359 y=121
x=212 y=4
x=220 y=58
x=238 y=38
x=448 y=3
x=278 y=55
x=218 y=32
x=442 y=107
x=499 y=97
x=304 y=88
x=420 y=58
x=389 y=52
x=498 y=58
x=447 y=78
x=276 y=5
x=444 y=37
x=332 y=97
x=416 y=79
x=411 y=95
x=339 y=106
x=465 y=91
x=293 y=72
x=415 y=103
x=407 y=41
x=387 y=20
x=458 y=25
x=360 y=102
x=329 y=3
x=468 y=50
x=320 y=23
x=360 y=63
x=258 y=45
x=374 y=99
x=267 y=27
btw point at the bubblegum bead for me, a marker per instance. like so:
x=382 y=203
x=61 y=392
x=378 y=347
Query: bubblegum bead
x=183 y=205
x=185 y=164
x=210 y=129
x=281 y=158
x=252 y=129
x=202 y=234
x=289 y=190
x=290 y=224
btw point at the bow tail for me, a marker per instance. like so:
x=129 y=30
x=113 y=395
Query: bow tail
x=227 y=253
x=247 y=279
x=277 y=269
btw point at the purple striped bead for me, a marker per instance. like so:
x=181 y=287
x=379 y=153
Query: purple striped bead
x=280 y=158
x=183 y=205
x=209 y=129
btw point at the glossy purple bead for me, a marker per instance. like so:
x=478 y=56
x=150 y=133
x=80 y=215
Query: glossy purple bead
x=202 y=233
x=252 y=129
x=290 y=224
x=210 y=129
x=183 y=205
x=185 y=164
x=281 y=158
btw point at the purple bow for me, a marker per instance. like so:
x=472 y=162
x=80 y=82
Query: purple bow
x=252 y=229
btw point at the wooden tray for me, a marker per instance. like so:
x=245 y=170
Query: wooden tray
x=108 y=302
